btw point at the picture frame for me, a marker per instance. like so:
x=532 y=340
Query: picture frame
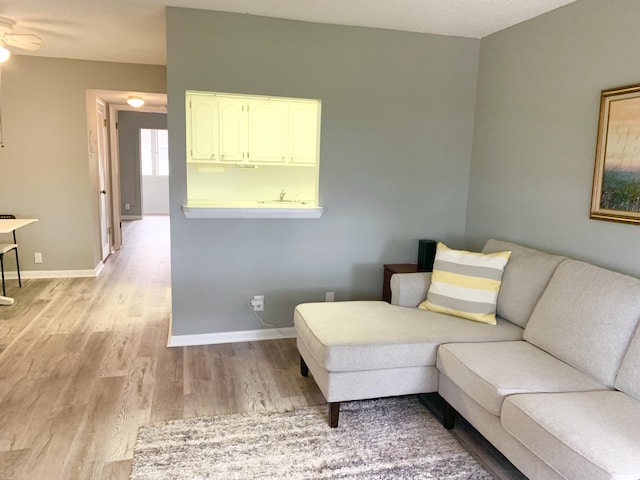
x=616 y=179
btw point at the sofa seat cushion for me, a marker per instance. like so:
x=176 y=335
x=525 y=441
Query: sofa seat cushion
x=489 y=372
x=348 y=336
x=594 y=435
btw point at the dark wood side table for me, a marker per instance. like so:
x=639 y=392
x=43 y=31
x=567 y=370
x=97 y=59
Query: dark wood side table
x=389 y=270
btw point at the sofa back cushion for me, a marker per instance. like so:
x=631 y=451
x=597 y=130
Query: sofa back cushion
x=524 y=279
x=586 y=317
x=628 y=379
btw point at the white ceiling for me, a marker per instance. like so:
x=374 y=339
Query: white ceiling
x=133 y=31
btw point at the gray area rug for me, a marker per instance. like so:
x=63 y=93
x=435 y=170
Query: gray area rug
x=393 y=438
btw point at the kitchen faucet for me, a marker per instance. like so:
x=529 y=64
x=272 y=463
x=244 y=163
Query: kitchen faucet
x=282 y=194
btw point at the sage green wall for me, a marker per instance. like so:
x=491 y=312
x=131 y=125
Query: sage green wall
x=397 y=125
x=45 y=167
x=536 y=123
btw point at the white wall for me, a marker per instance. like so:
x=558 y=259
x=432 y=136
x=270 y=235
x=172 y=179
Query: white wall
x=397 y=121
x=155 y=195
x=536 y=124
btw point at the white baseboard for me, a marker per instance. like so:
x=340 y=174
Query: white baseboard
x=131 y=217
x=231 y=337
x=34 y=274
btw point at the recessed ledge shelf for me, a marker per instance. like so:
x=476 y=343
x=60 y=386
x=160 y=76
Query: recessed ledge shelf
x=250 y=210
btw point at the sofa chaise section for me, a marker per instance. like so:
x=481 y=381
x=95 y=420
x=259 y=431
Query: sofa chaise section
x=358 y=350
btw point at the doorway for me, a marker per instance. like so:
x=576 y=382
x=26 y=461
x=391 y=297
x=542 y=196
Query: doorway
x=143 y=164
x=103 y=109
x=154 y=164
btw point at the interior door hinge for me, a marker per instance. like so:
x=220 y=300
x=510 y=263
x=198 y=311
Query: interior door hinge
x=104 y=121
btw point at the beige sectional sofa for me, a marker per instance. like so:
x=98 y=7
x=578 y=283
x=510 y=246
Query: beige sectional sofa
x=555 y=385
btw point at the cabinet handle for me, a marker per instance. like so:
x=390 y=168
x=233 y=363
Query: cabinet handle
x=213 y=155
x=222 y=157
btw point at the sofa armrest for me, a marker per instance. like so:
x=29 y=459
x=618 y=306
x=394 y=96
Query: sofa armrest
x=409 y=289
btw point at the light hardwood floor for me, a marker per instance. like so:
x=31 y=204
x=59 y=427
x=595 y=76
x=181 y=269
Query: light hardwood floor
x=83 y=364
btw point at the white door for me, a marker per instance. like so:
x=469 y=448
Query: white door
x=101 y=119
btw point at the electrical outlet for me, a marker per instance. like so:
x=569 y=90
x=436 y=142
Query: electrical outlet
x=37 y=257
x=257 y=303
x=127 y=206
x=329 y=296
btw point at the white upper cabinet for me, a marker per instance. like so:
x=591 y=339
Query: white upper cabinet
x=203 y=122
x=232 y=131
x=303 y=133
x=226 y=128
x=268 y=122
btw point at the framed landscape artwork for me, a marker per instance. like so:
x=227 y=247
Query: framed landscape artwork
x=616 y=178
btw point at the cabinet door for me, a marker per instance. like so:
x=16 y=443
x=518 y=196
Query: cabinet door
x=267 y=131
x=303 y=133
x=233 y=128
x=204 y=128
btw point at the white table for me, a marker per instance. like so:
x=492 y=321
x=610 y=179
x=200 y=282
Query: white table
x=8 y=226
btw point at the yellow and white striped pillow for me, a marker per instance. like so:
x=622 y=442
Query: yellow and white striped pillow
x=466 y=284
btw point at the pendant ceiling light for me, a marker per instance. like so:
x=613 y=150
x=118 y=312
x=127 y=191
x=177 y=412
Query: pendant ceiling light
x=135 y=101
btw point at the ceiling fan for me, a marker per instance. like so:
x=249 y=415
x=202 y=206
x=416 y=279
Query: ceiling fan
x=17 y=40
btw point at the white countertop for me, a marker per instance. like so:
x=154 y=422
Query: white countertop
x=252 y=209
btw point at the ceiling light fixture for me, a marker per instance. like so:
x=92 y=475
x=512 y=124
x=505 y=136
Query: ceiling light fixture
x=4 y=53
x=135 y=101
